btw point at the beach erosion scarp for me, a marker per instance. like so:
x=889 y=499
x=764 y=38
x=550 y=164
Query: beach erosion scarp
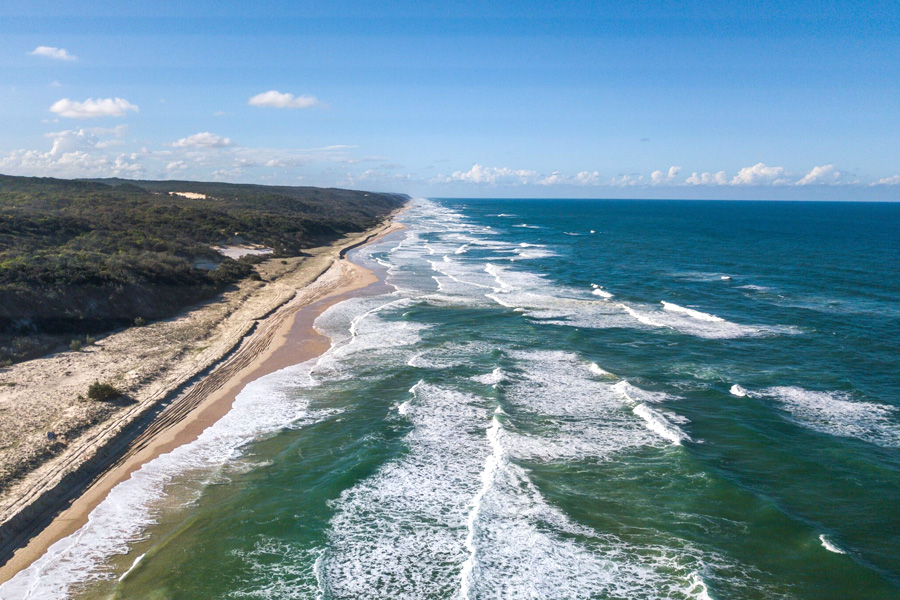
x=178 y=377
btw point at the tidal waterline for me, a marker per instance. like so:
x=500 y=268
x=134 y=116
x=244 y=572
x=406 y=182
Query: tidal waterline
x=557 y=399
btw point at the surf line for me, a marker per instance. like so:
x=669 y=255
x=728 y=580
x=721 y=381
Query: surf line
x=492 y=465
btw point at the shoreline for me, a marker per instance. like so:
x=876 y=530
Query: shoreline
x=282 y=337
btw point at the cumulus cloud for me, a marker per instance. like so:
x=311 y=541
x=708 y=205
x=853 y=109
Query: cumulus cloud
x=54 y=53
x=707 y=178
x=276 y=99
x=554 y=178
x=587 y=178
x=627 y=180
x=493 y=175
x=75 y=163
x=204 y=139
x=90 y=108
x=821 y=175
x=892 y=180
x=760 y=174
x=660 y=178
x=85 y=139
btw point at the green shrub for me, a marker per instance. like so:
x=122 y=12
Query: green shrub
x=75 y=345
x=102 y=391
x=140 y=322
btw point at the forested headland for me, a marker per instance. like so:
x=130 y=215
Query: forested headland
x=82 y=257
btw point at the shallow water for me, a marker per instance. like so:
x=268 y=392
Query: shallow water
x=697 y=400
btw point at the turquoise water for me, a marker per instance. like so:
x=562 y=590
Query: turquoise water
x=560 y=399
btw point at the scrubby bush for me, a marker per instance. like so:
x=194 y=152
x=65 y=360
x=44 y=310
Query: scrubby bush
x=102 y=391
x=75 y=345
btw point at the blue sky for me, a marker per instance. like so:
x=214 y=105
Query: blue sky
x=515 y=99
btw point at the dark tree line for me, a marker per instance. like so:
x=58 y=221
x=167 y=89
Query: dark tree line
x=88 y=256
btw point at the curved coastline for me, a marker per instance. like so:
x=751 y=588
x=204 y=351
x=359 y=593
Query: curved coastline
x=282 y=337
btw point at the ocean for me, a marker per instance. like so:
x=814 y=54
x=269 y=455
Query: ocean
x=556 y=399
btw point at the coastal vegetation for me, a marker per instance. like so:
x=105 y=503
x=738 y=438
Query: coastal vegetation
x=82 y=257
x=102 y=391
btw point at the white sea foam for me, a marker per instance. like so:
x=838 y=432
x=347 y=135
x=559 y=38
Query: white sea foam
x=492 y=378
x=701 y=276
x=532 y=252
x=637 y=395
x=641 y=317
x=697 y=323
x=837 y=413
x=829 y=545
x=598 y=370
x=488 y=475
x=692 y=313
x=274 y=569
x=657 y=421
x=738 y=391
x=356 y=327
x=448 y=356
x=602 y=293
x=698 y=589
x=584 y=416
x=463 y=273
x=132 y=567
x=660 y=425
x=540 y=298
x=509 y=519
x=401 y=533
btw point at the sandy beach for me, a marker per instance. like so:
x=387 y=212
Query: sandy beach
x=181 y=375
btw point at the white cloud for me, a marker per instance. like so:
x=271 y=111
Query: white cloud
x=588 y=178
x=492 y=175
x=176 y=166
x=821 y=175
x=204 y=139
x=90 y=108
x=627 y=180
x=72 y=141
x=276 y=99
x=75 y=163
x=892 y=180
x=707 y=178
x=660 y=178
x=283 y=163
x=84 y=139
x=54 y=53
x=760 y=174
x=555 y=178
